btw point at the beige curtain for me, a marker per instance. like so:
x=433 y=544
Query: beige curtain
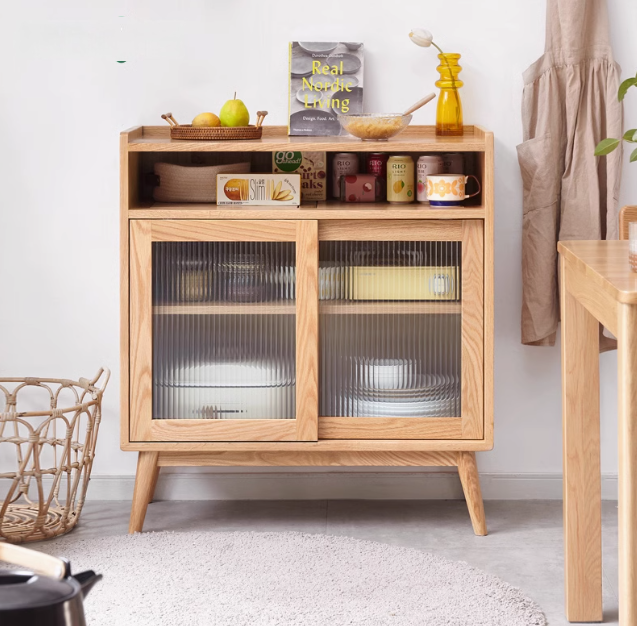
x=569 y=105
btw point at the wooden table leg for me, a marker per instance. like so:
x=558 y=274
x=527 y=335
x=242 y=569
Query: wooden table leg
x=470 y=479
x=627 y=375
x=581 y=458
x=144 y=483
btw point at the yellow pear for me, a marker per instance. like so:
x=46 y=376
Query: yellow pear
x=206 y=119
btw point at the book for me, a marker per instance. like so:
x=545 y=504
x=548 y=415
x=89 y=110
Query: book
x=326 y=78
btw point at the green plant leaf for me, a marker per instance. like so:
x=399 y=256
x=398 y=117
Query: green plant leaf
x=606 y=146
x=631 y=135
x=625 y=86
x=633 y=156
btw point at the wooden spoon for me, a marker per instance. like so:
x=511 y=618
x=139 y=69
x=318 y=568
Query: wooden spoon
x=420 y=103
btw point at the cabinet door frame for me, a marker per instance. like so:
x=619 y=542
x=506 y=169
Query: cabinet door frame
x=470 y=425
x=143 y=428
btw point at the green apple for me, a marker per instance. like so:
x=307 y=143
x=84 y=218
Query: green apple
x=234 y=113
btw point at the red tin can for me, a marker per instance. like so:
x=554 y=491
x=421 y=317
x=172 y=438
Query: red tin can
x=377 y=164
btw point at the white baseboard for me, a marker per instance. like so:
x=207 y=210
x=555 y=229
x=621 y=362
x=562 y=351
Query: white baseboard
x=335 y=485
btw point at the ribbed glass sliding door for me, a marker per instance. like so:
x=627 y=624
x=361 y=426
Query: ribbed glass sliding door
x=223 y=330
x=224 y=339
x=394 y=321
x=390 y=330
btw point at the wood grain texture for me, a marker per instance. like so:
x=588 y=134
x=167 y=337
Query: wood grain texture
x=141 y=331
x=390 y=427
x=472 y=379
x=153 y=484
x=597 y=301
x=144 y=484
x=581 y=456
x=486 y=172
x=627 y=215
x=401 y=230
x=307 y=258
x=322 y=211
x=124 y=390
x=627 y=405
x=223 y=230
x=222 y=430
x=470 y=480
x=304 y=459
x=604 y=263
x=413 y=139
x=322 y=445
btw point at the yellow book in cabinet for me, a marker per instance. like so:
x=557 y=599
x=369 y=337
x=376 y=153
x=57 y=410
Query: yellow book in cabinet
x=403 y=283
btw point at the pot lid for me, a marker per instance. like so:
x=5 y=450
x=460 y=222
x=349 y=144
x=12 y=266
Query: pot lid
x=26 y=590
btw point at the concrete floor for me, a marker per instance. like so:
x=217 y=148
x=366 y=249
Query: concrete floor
x=524 y=546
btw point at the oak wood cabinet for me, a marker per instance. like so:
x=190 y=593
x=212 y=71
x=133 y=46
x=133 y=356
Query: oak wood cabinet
x=330 y=334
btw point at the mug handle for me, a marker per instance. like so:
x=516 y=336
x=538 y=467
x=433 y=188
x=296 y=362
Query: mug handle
x=466 y=180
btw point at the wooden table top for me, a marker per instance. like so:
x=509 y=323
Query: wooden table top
x=606 y=264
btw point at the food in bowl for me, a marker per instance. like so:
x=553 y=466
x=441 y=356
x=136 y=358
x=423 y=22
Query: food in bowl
x=374 y=126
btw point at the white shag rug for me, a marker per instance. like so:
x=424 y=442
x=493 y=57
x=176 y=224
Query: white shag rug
x=285 y=579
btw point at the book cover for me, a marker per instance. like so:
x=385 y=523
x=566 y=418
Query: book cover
x=325 y=79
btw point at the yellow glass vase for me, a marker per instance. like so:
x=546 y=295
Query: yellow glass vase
x=449 y=113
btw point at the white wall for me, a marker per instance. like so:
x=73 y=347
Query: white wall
x=64 y=99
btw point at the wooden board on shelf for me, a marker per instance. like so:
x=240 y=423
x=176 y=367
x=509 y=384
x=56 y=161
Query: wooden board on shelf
x=227 y=308
x=413 y=139
x=326 y=307
x=309 y=211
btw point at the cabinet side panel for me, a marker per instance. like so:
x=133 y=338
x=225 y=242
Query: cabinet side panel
x=489 y=264
x=124 y=286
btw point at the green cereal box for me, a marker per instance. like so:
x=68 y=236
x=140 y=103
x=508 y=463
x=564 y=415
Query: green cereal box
x=312 y=166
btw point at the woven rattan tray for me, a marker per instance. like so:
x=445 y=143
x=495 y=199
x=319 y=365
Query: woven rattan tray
x=219 y=133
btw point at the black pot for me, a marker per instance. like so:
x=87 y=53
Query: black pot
x=49 y=596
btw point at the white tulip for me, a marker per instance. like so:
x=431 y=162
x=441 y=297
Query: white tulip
x=421 y=37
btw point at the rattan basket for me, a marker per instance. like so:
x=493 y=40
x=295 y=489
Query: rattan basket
x=48 y=431
x=218 y=133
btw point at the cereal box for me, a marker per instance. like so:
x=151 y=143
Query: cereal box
x=312 y=166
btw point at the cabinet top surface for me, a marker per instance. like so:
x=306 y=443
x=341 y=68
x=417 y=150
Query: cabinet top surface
x=606 y=264
x=413 y=139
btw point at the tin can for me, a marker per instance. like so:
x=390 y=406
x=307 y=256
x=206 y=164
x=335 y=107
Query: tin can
x=452 y=163
x=427 y=165
x=400 y=179
x=344 y=163
x=377 y=164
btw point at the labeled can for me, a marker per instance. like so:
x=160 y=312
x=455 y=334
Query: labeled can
x=377 y=164
x=344 y=164
x=452 y=163
x=400 y=179
x=427 y=165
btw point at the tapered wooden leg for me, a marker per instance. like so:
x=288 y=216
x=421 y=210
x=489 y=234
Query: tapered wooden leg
x=154 y=484
x=144 y=484
x=627 y=365
x=470 y=479
x=581 y=458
